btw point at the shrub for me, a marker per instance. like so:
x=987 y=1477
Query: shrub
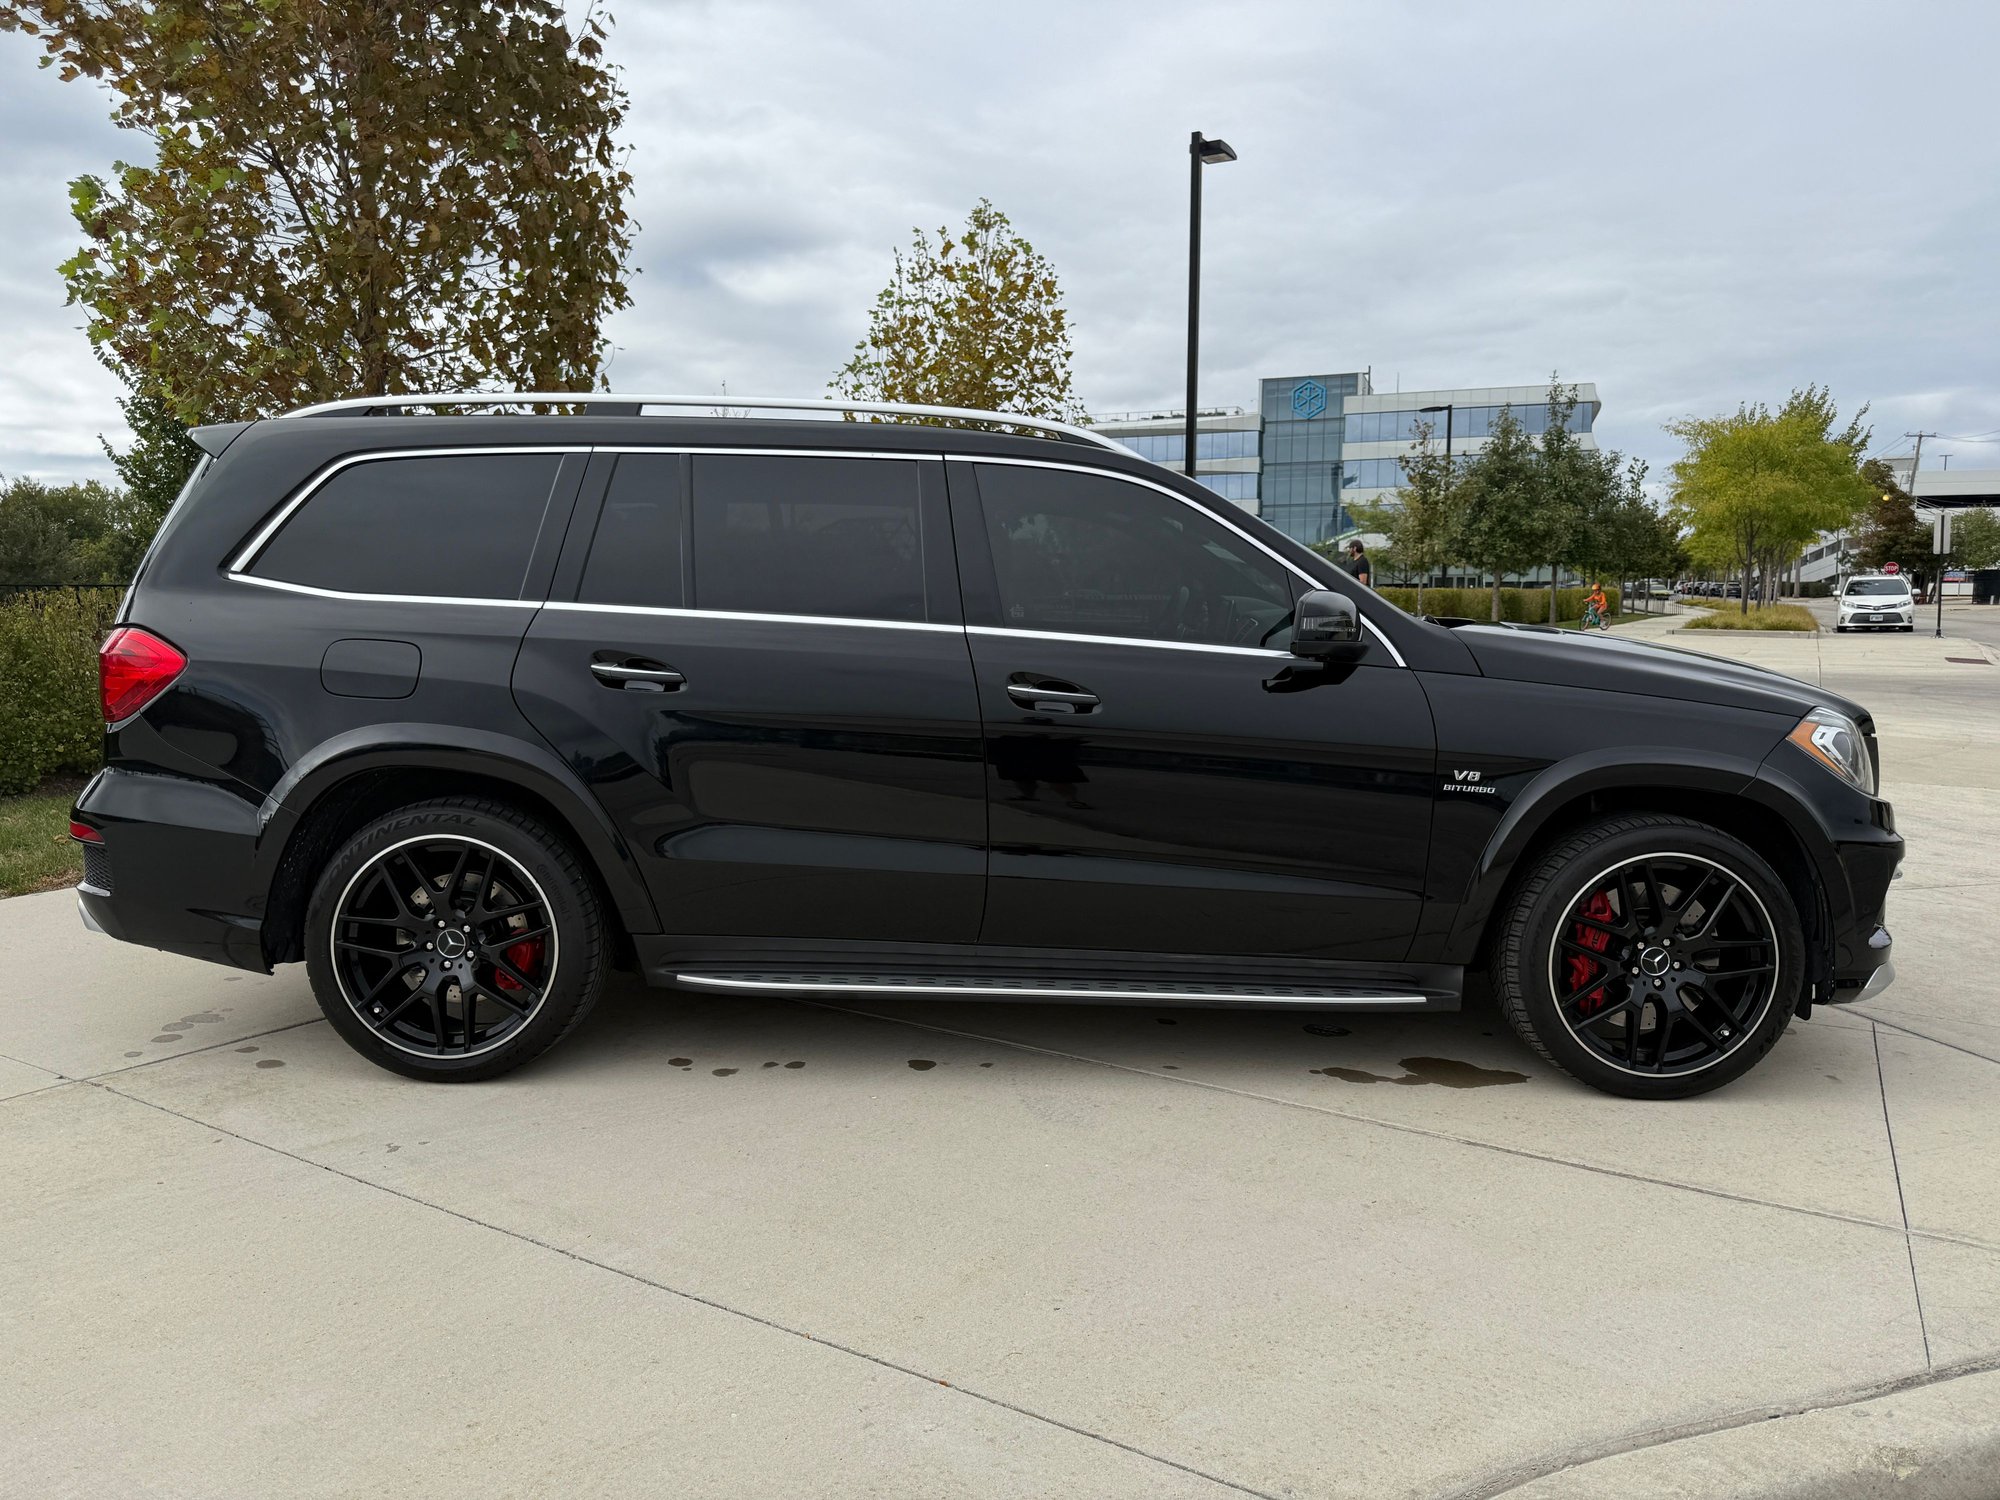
x=1518 y=606
x=49 y=719
x=1761 y=617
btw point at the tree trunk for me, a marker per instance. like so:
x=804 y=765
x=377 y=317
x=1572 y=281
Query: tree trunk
x=1496 y=596
x=1552 y=593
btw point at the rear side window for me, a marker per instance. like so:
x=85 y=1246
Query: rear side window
x=635 y=555
x=454 y=526
x=808 y=536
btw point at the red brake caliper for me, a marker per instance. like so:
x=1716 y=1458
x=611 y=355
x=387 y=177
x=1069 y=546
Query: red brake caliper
x=1583 y=969
x=524 y=956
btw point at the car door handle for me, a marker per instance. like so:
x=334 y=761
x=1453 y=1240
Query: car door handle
x=1052 y=700
x=654 y=679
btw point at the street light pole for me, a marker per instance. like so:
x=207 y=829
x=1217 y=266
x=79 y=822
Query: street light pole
x=1447 y=408
x=1201 y=152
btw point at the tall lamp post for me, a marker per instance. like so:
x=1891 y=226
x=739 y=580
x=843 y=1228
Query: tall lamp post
x=1202 y=152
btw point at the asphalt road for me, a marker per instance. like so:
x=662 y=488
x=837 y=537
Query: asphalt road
x=766 y=1248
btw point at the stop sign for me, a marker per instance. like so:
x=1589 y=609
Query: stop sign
x=1890 y=567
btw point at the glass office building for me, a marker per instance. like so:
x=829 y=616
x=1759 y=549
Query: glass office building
x=1317 y=444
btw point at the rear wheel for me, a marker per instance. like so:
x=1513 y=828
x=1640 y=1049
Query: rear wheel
x=1652 y=957
x=454 y=940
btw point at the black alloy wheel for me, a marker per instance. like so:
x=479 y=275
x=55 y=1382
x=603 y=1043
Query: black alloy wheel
x=443 y=946
x=1650 y=956
x=1664 y=964
x=455 y=940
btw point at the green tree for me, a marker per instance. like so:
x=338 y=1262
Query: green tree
x=153 y=469
x=976 y=321
x=1510 y=518
x=1758 y=485
x=1422 y=522
x=1891 y=532
x=68 y=533
x=1975 y=538
x=346 y=197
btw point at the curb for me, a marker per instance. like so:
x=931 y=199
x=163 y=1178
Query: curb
x=1938 y=1441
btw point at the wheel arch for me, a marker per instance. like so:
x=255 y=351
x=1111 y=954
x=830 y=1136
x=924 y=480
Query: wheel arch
x=359 y=776
x=1725 y=793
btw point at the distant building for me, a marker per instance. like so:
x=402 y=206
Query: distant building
x=1316 y=444
x=1932 y=489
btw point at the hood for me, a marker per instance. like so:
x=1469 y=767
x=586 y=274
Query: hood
x=1568 y=658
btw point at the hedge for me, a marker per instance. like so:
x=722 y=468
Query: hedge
x=1517 y=606
x=49 y=717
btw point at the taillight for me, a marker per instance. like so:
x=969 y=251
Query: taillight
x=133 y=668
x=83 y=833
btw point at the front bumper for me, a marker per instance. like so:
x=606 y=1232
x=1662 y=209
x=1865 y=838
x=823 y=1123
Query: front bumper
x=1862 y=945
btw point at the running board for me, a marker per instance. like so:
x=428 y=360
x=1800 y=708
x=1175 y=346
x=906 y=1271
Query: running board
x=1022 y=987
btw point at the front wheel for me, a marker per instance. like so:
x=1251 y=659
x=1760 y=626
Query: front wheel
x=1651 y=956
x=454 y=940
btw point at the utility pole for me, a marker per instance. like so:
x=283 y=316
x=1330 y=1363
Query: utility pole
x=1916 y=464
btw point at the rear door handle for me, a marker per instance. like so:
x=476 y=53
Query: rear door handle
x=1052 y=700
x=656 y=679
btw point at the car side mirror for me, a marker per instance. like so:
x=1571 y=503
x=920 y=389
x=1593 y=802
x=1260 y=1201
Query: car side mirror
x=1327 y=627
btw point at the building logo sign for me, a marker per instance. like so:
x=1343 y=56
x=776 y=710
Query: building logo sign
x=1308 y=400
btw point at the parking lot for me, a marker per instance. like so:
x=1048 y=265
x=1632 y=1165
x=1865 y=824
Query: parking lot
x=766 y=1247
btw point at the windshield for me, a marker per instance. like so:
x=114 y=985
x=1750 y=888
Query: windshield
x=1877 y=586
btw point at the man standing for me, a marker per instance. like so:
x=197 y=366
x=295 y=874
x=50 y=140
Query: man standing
x=1357 y=564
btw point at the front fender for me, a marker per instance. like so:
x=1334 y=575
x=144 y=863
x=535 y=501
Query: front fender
x=441 y=747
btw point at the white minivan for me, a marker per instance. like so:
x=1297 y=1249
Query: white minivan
x=1876 y=601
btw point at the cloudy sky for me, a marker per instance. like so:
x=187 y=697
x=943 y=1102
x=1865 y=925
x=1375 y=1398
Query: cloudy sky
x=1689 y=204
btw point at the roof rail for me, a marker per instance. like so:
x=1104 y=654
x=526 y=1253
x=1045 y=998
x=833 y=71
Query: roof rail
x=630 y=406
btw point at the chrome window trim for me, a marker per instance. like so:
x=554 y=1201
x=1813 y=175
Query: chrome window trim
x=258 y=542
x=1286 y=563
x=1127 y=640
x=674 y=613
x=319 y=593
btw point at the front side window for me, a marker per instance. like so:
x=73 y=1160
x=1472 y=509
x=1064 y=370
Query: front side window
x=453 y=525
x=1085 y=554
x=839 y=537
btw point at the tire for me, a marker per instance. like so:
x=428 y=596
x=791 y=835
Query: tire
x=1703 y=1022
x=513 y=971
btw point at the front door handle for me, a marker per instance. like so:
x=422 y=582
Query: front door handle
x=649 y=678
x=1069 y=700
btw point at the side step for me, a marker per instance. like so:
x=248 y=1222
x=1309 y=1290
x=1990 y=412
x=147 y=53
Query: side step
x=1039 y=987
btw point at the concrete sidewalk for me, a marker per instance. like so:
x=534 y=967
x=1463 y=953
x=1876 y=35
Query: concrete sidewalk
x=727 y=1248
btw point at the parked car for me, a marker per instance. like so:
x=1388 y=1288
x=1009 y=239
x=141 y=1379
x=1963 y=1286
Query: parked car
x=1875 y=601
x=464 y=711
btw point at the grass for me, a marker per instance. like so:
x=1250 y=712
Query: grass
x=1761 y=617
x=36 y=853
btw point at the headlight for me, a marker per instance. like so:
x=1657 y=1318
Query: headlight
x=1835 y=741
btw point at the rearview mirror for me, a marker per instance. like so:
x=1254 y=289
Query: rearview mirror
x=1327 y=627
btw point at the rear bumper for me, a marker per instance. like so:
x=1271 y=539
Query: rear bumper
x=177 y=867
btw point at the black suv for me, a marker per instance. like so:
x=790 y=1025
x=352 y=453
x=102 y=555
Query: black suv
x=463 y=710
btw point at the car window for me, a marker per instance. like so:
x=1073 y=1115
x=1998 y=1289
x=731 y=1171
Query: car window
x=808 y=536
x=1090 y=555
x=460 y=525
x=1878 y=586
x=635 y=553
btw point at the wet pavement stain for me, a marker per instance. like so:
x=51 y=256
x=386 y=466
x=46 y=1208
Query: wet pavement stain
x=724 y=1072
x=986 y=1065
x=770 y=1065
x=795 y=1065
x=1318 y=1030
x=921 y=1064
x=135 y=1054
x=169 y=1038
x=269 y=1062
x=680 y=1062
x=246 y=1049
x=1441 y=1070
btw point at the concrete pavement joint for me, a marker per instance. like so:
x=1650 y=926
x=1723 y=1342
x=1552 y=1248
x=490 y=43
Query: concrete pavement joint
x=1419 y=1130
x=1916 y=1288
x=695 y=1297
x=1514 y=1476
x=1934 y=1041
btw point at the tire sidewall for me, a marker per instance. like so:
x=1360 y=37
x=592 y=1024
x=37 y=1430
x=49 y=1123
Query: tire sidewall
x=1551 y=910
x=571 y=908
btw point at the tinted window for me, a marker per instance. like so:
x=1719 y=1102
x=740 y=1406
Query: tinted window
x=1091 y=556
x=808 y=536
x=635 y=554
x=454 y=526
